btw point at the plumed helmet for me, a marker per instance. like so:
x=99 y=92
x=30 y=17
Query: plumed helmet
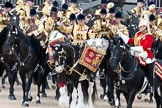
x=142 y=22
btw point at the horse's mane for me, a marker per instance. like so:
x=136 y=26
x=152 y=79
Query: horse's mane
x=68 y=48
x=24 y=37
x=3 y=35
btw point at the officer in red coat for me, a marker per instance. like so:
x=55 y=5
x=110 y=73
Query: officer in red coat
x=142 y=47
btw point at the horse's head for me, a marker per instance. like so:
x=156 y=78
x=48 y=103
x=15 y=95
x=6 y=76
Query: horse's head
x=116 y=53
x=13 y=29
x=59 y=58
x=14 y=21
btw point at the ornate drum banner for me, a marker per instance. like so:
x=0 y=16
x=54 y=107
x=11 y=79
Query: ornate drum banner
x=91 y=58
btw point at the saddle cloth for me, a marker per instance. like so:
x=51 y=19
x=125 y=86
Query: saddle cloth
x=157 y=67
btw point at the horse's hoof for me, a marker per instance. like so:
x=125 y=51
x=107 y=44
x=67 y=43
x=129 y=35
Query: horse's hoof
x=25 y=104
x=30 y=99
x=3 y=87
x=139 y=97
x=57 y=97
x=146 y=100
x=151 y=101
x=18 y=83
x=38 y=102
x=47 y=87
x=44 y=95
x=53 y=86
x=116 y=107
x=12 y=97
x=101 y=96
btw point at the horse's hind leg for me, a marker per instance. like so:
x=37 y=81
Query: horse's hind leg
x=110 y=93
x=161 y=95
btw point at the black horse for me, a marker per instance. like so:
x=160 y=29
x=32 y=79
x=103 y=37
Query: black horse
x=65 y=56
x=18 y=55
x=131 y=74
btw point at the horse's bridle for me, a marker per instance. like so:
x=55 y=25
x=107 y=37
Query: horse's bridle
x=120 y=68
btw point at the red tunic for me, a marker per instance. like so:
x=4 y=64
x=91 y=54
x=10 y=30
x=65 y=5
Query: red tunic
x=144 y=40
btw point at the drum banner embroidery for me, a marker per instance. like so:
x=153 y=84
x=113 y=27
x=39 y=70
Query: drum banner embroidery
x=55 y=41
x=91 y=58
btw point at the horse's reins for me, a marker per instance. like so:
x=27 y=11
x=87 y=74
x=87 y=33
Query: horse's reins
x=29 y=52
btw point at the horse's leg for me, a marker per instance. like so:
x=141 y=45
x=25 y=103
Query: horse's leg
x=90 y=92
x=103 y=85
x=157 y=98
x=132 y=95
x=110 y=92
x=117 y=98
x=161 y=95
x=4 y=77
x=84 y=85
x=27 y=87
x=151 y=100
x=23 y=80
x=11 y=76
x=17 y=81
x=44 y=82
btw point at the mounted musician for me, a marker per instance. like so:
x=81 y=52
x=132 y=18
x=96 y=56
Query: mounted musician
x=63 y=12
x=73 y=8
x=157 y=32
x=138 y=10
x=143 y=42
x=46 y=8
x=53 y=22
x=4 y=15
x=35 y=31
x=68 y=24
x=24 y=13
x=151 y=10
x=100 y=26
x=116 y=26
x=103 y=5
x=81 y=31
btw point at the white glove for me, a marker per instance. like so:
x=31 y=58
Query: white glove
x=59 y=23
x=137 y=48
x=123 y=37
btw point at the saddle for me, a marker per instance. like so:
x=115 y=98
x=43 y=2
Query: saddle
x=33 y=27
